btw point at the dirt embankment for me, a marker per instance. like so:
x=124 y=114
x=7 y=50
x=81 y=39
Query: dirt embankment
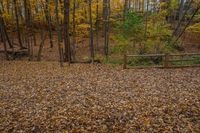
x=191 y=42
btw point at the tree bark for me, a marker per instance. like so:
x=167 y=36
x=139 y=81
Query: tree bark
x=66 y=31
x=48 y=18
x=97 y=25
x=146 y=19
x=106 y=27
x=41 y=46
x=74 y=30
x=91 y=32
x=125 y=9
x=5 y=31
x=59 y=34
x=181 y=10
x=3 y=38
x=17 y=24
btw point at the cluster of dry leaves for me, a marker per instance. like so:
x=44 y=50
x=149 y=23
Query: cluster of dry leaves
x=42 y=97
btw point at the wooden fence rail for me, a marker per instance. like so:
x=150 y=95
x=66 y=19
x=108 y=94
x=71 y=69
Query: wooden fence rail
x=167 y=60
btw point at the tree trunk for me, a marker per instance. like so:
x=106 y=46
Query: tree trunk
x=5 y=31
x=48 y=18
x=3 y=38
x=17 y=24
x=26 y=10
x=91 y=32
x=125 y=8
x=59 y=33
x=74 y=30
x=103 y=15
x=146 y=19
x=41 y=46
x=66 y=31
x=97 y=25
x=178 y=27
x=106 y=27
x=181 y=10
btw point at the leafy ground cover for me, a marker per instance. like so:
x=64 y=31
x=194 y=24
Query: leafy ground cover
x=42 y=97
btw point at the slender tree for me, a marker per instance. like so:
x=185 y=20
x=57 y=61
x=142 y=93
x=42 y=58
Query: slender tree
x=2 y=31
x=146 y=19
x=177 y=29
x=5 y=31
x=188 y=23
x=74 y=30
x=66 y=31
x=48 y=18
x=91 y=32
x=106 y=25
x=58 y=33
x=125 y=8
x=17 y=23
x=97 y=24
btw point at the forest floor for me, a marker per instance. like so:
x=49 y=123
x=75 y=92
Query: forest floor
x=191 y=45
x=52 y=54
x=42 y=97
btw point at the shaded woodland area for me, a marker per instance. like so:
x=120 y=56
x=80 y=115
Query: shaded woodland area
x=61 y=66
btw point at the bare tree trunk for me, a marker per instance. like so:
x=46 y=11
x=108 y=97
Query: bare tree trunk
x=7 y=38
x=41 y=46
x=27 y=14
x=66 y=31
x=181 y=10
x=5 y=31
x=125 y=8
x=3 y=38
x=59 y=34
x=103 y=16
x=146 y=21
x=178 y=27
x=6 y=34
x=106 y=27
x=97 y=25
x=48 y=18
x=91 y=32
x=17 y=24
x=29 y=27
x=74 y=30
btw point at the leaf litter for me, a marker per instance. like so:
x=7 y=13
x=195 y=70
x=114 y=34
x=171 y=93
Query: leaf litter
x=42 y=97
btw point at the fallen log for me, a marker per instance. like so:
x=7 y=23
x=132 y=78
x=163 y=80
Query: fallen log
x=14 y=54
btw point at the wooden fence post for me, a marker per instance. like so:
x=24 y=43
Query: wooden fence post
x=125 y=61
x=166 y=61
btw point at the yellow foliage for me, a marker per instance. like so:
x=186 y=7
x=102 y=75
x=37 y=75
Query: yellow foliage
x=194 y=28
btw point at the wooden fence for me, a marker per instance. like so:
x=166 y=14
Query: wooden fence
x=166 y=60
